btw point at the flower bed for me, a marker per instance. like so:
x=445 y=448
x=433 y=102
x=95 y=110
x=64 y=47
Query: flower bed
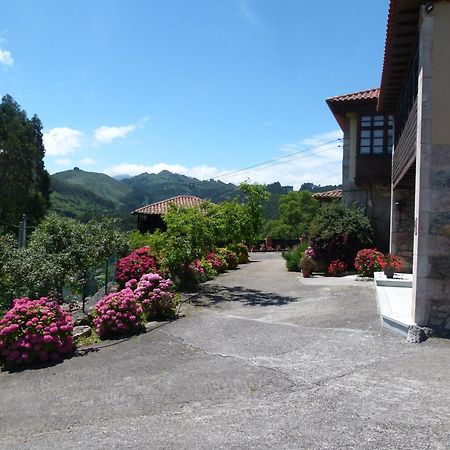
x=35 y=330
x=136 y=264
x=154 y=294
x=118 y=314
x=368 y=261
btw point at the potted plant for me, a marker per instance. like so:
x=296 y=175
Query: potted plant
x=390 y=264
x=307 y=263
x=337 y=267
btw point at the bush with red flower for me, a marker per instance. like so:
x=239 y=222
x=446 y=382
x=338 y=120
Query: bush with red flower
x=136 y=264
x=155 y=294
x=389 y=261
x=35 y=331
x=118 y=314
x=337 y=267
x=368 y=261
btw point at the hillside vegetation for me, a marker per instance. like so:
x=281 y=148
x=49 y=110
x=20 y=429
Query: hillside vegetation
x=86 y=195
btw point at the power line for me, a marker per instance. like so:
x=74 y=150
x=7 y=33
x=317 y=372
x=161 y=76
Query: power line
x=281 y=159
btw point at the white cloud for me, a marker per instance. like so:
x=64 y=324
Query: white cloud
x=6 y=57
x=87 y=161
x=107 y=134
x=63 y=162
x=322 y=165
x=62 y=141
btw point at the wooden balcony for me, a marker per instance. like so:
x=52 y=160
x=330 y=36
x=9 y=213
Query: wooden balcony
x=405 y=151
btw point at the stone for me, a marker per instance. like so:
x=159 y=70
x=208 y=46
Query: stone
x=81 y=331
x=416 y=334
x=80 y=318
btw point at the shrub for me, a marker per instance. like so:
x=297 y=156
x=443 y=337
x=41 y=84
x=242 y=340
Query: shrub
x=208 y=269
x=293 y=257
x=368 y=261
x=155 y=295
x=118 y=314
x=217 y=262
x=336 y=267
x=133 y=266
x=230 y=257
x=338 y=231
x=241 y=251
x=198 y=272
x=35 y=330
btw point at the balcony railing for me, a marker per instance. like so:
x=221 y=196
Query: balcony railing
x=405 y=150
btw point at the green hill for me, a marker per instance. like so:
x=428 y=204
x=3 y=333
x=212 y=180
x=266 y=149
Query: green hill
x=166 y=184
x=86 y=195
x=103 y=186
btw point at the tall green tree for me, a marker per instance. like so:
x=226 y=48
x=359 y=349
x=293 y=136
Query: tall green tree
x=24 y=182
x=297 y=210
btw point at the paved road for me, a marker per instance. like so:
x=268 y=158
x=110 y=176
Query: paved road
x=264 y=359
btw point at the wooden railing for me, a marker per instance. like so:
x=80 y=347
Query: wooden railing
x=405 y=150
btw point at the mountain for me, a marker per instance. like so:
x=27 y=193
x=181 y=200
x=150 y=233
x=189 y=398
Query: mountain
x=166 y=184
x=86 y=195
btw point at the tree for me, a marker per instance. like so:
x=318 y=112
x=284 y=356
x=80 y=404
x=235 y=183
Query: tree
x=253 y=213
x=297 y=210
x=338 y=231
x=24 y=187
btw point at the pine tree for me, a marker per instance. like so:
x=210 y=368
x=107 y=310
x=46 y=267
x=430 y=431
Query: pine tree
x=24 y=182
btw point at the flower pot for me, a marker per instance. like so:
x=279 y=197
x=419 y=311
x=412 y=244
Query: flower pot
x=389 y=272
x=306 y=273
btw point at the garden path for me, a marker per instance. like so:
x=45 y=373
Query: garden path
x=262 y=359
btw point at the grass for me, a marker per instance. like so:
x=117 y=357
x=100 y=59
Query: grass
x=86 y=341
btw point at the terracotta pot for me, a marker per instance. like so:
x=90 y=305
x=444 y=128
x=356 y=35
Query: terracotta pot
x=389 y=272
x=306 y=273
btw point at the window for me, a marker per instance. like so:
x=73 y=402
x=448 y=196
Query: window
x=375 y=134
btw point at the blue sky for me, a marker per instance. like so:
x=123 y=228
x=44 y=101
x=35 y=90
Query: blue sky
x=201 y=87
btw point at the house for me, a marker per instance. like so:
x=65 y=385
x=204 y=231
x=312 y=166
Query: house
x=415 y=88
x=366 y=166
x=414 y=96
x=150 y=217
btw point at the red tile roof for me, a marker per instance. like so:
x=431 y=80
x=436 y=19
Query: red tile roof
x=160 y=208
x=369 y=94
x=329 y=195
x=340 y=104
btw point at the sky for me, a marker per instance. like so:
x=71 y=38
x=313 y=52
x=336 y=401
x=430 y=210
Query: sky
x=199 y=87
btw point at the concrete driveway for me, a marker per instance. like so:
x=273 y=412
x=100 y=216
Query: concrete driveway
x=263 y=359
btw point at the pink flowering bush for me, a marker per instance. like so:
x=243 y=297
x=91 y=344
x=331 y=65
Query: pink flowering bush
x=136 y=264
x=368 y=261
x=35 y=331
x=336 y=267
x=197 y=271
x=118 y=314
x=309 y=252
x=154 y=294
x=230 y=258
x=217 y=262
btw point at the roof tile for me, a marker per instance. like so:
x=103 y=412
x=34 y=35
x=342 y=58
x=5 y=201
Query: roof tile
x=370 y=94
x=160 y=208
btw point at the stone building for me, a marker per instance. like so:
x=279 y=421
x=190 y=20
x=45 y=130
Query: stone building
x=415 y=88
x=414 y=96
x=366 y=163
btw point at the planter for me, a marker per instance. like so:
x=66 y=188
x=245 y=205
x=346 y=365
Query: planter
x=389 y=272
x=306 y=273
